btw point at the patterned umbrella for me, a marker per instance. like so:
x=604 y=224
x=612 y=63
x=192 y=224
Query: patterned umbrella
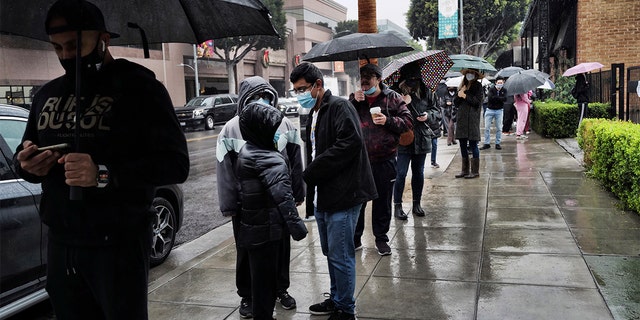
x=432 y=65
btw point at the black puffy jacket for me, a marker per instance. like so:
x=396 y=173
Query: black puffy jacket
x=267 y=204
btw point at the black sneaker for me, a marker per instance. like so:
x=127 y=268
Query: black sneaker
x=246 y=308
x=498 y=147
x=383 y=248
x=325 y=307
x=287 y=301
x=341 y=315
x=485 y=147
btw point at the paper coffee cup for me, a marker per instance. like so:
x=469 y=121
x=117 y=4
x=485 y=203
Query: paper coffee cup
x=375 y=110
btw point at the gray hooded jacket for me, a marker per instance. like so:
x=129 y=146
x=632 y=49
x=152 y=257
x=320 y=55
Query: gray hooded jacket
x=230 y=141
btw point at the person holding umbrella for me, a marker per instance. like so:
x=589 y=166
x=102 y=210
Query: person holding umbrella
x=383 y=116
x=99 y=246
x=469 y=103
x=581 y=92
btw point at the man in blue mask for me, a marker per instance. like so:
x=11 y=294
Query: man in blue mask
x=230 y=140
x=381 y=130
x=339 y=181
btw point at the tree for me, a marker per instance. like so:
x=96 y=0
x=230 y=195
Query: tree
x=233 y=50
x=496 y=22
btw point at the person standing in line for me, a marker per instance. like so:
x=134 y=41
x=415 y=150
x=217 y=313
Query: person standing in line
x=494 y=112
x=339 y=181
x=521 y=104
x=99 y=242
x=230 y=140
x=441 y=92
x=508 y=115
x=581 y=92
x=268 y=212
x=383 y=116
x=469 y=101
x=421 y=104
x=449 y=112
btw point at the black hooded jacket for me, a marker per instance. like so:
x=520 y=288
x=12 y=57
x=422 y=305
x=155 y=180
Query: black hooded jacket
x=266 y=198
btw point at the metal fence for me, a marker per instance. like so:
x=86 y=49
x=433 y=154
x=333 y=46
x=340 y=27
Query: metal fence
x=619 y=90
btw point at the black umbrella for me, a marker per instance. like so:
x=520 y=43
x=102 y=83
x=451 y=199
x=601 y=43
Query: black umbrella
x=522 y=82
x=357 y=46
x=163 y=21
x=143 y=22
x=508 y=72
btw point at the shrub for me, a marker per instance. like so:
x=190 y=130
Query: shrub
x=555 y=119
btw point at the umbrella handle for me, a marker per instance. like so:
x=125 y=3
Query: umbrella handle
x=143 y=35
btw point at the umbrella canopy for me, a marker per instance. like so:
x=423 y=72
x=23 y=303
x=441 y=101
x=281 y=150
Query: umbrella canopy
x=432 y=66
x=183 y=21
x=455 y=82
x=508 y=72
x=451 y=74
x=465 y=61
x=582 y=68
x=522 y=82
x=547 y=85
x=357 y=46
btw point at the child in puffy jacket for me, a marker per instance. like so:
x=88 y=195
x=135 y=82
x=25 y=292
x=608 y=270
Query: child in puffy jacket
x=268 y=208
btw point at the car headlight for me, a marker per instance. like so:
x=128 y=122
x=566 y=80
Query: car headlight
x=198 y=112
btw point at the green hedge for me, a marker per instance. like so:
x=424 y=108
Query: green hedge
x=553 y=119
x=612 y=155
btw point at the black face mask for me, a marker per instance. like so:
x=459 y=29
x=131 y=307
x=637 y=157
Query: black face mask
x=89 y=64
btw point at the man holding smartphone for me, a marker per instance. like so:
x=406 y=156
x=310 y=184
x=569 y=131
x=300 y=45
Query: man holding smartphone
x=99 y=245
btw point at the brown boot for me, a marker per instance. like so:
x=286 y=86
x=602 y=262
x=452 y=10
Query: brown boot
x=475 y=167
x=465 y=168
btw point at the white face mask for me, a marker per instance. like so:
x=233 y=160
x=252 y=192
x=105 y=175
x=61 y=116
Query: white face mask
x=470 y=76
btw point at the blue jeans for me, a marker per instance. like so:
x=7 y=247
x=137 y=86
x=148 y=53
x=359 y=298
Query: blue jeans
x=495 y=115
x=336 y=231
x=434 y=150
x=473 y=145
x=417 y=175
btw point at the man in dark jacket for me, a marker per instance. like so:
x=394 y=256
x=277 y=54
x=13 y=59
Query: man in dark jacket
x=268 y=209
x=339 y=181
x=230 y=140
x=581 y=92
x=494 y=112
x=99 y=239
x=381 y=132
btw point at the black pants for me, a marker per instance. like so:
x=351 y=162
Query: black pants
x=384 y=175
x=243 y=268
x=507 y=117
x=263 y=262
x=107 y=282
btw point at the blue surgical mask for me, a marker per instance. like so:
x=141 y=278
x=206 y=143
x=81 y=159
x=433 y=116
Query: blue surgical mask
x=371 y=91
x=264 y=101
x=470 y=76
x=306 y=100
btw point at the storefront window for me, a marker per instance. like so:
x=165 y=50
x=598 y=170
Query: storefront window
x=17 y=95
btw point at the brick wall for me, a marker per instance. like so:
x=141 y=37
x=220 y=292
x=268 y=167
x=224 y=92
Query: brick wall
x=608 y=31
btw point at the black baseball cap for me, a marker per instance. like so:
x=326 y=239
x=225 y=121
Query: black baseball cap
x=79 y=15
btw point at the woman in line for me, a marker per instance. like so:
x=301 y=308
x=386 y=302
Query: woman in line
x=469 y=103
x=521 y=103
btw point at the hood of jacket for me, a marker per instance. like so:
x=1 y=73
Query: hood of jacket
x=252 y=85
x=258 y=125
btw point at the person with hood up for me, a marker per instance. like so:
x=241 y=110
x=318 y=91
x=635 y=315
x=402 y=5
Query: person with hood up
x=469 y=103
x=268 y=211
x=230 y=140
x=381 y=130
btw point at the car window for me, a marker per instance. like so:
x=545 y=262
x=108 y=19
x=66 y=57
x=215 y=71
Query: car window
x=217 y=101
x=196 y=102
x=226 y=100
x=11 y=130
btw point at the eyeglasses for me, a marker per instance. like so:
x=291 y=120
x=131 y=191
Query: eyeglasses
x=303 y=89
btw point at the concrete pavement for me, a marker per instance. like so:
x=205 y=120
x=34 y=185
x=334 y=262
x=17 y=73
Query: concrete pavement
x=531 y=238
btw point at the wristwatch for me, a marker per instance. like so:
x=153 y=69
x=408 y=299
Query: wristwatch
x=102 y=178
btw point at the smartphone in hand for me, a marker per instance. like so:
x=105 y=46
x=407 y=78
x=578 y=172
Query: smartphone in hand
x=55 y=147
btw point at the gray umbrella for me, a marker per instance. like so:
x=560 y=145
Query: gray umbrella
x=465 y=61
x=507 y=72
x=522 y=82
x=357 y=46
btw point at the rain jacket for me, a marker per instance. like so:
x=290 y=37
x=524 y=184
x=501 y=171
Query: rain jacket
x=469 y=110
x=266 y=198
x=382 y=140
x=340 y=171
x=230 y=140
x=128 y=112
x=497 y=98
x=422 y=134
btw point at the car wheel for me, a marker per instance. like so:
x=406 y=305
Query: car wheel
x=209 y=122
x=164 y=231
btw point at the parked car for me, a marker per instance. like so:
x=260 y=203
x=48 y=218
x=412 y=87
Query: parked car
x=207 y=111
x=288 y=108
x=23 y=238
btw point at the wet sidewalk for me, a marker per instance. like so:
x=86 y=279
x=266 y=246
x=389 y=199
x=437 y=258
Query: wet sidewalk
x=532 y=238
